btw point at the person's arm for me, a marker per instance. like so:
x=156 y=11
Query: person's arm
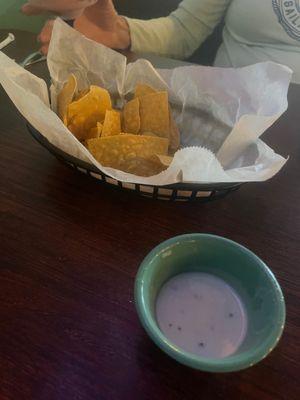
x=100 y=23
x=179 y=34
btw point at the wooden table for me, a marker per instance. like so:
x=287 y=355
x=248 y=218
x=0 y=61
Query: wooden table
x=70 y=249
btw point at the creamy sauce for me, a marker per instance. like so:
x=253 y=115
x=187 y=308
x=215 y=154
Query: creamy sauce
x=201 y=314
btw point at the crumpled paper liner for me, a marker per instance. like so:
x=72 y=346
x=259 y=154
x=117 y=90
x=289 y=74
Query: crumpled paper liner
x=221 y=113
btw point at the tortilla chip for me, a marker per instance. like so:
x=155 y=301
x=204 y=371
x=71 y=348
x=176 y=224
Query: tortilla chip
x=142 y=89
x=131 y=116
x=112 y=123
x=65 y=120
x=95 y=132
x=174 y=135
x=164 y=160
x=66 y=96
x=143 y=167
x=84 y=113
x=81 y=94
x=125 y=151
x=154 y=114
x=149 y=134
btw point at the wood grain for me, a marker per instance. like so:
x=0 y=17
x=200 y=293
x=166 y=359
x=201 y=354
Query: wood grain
x=69 y=252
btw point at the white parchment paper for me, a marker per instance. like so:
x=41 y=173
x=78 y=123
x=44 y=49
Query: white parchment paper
x=221 y=113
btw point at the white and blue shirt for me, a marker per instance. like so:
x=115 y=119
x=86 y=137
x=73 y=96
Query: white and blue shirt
x=255 y=31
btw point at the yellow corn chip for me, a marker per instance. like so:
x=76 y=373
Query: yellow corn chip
x=154 y=114
x=124 y=151
x=143 y=166
x=142 y=89
x=65 y=120
x=81 y=94
x=131 y=116
x=95 y=132
x=84 y=113
x=164 y=160
x=66 y=96
x=99 y=128
x=149 y=134
x=174 y=136
x=112 y=123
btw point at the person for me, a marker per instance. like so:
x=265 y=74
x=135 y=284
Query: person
x=69 y=8
x=254 y=31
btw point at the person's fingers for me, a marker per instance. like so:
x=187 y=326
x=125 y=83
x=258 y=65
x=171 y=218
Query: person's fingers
x=44 y=49
x=45 y=36
x=59 y=7
x=28 y=9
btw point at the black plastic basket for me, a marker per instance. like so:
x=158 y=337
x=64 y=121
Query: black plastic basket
x=175 y=192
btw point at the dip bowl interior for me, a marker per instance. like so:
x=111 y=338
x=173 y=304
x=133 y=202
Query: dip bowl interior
x=250 y=278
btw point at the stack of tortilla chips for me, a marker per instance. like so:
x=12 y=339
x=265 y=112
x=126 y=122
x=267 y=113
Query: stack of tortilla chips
x=140 y=139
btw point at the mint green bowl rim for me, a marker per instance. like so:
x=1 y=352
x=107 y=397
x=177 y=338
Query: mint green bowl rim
x=229 y=364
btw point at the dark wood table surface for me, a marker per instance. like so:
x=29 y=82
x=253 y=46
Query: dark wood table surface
x=70 y=248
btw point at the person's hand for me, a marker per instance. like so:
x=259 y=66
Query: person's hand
x=60 y=7
x=45 y=36
x=100 y=22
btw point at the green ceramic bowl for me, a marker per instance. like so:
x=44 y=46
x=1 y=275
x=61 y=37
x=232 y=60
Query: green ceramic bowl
x=240 y=268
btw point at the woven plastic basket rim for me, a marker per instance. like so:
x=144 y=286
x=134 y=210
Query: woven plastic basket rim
x=90 y=167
